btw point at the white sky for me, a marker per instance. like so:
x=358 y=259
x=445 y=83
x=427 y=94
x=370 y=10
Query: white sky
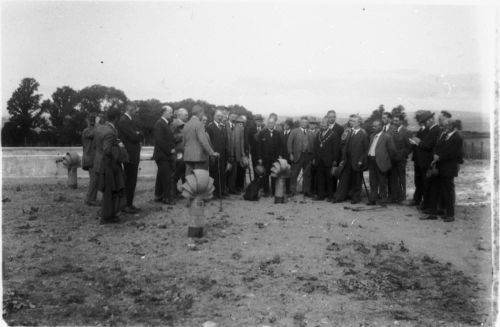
x=292 y=59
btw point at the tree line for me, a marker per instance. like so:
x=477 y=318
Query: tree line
x=60 y=120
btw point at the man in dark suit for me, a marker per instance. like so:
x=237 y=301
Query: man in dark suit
x=270 y=149
x=236 y=146
x=448 y=154
x=418 y=177
x=218 y=137
x=397 y=177
x=425 y=155
x=386 y=122
x=379 y=162
x=131 y=137
x=253 y=136
x=300 y=146
x=164 y=156
x=354 y=161
x=339 y=130
x=326 y=155
x=109 y=156
x=287 y=128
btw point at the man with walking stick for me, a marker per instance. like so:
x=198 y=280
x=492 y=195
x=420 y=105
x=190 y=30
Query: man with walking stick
x=218 y=137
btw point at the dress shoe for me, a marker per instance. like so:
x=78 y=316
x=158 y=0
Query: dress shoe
x=430 y=217
x=158 y=199
x=370 y=203
x=318 y=198
x=113 y=220
x=93 y=203
x=130 y=209
x=355 y=201
x=137 y=209
x=307 y=194
x=448 y=219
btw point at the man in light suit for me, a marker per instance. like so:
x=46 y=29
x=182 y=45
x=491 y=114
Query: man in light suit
x=354 y=161
x=131 y=136
x=379 y=162
x=164 y=156
x=300 y=146
x=197 y=148
x=397 y=177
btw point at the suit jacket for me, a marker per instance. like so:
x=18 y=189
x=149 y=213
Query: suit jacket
x=285 y=144
x=196 y=145
x=339 y=129
x=127 y=130
x=176 y=126
x=164 y=149
x=420 y=134
x=391 y=129
x=219 y=140
x=450 y=154
x=107 y=150
x=253 y=140
x=236 y=142
x=270 y=148
x=88 y=143
x=401 y=143
x=356 y=149
x=327 y=147
x=384 y=150
x=298 y=143
x=426 y=146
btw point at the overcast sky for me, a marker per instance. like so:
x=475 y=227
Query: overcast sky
x=292 y=59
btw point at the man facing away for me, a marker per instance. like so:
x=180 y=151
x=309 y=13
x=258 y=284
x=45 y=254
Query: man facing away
x=218 y=137
x=88 y=142
x=109 y=156
x=197 y=148
x=379 y=163
x=354 y=161
x=397 y=177
x=131 y=136
x=164 y=155
x=300 y=147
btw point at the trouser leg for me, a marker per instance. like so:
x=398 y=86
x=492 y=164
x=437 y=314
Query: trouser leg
x=131 y=170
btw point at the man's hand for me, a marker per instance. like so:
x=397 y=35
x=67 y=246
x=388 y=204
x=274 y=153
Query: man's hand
x=436 y=158
x=216 y=154
x=291 y=157
x=259 y=161
x=360 y=164
x=228 y=167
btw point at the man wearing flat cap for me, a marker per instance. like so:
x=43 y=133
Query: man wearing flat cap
x=425 y=148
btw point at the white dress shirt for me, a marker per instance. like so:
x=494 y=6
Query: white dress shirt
x=371 y=153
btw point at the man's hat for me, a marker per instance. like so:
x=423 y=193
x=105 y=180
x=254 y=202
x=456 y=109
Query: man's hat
x=426 y=115
x=258 y=117
x=241 y=119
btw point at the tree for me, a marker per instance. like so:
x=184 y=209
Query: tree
x=99 y=98
x=26 y=114
x=67 y=122
x=149 y=112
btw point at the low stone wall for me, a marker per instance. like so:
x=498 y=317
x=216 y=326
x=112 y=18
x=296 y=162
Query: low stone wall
x=41 y=162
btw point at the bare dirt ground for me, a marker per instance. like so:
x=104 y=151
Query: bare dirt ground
x=305 y=263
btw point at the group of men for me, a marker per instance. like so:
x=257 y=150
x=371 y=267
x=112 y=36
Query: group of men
x=328 y=158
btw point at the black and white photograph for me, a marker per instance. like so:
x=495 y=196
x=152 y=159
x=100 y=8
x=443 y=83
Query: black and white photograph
x=250 y=163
